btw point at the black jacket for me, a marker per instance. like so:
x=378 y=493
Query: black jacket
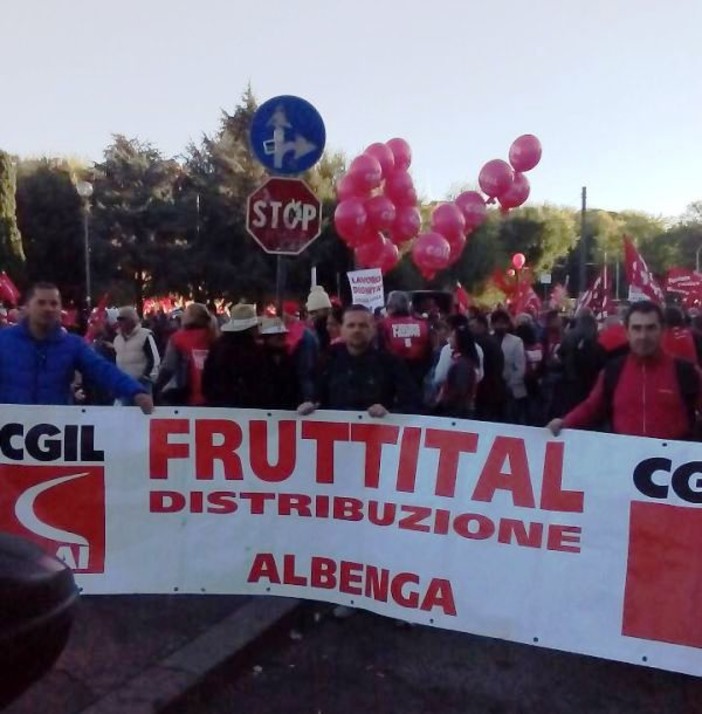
x=355 y=383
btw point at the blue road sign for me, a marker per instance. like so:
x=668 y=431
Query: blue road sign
x=287 y=135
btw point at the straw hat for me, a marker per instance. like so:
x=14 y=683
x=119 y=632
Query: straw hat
x=242 y=317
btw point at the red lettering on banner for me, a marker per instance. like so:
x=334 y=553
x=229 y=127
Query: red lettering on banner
x=348 y=509
x=388 y=516
x=374 y=436
x=413 y=520
x=451 y=445
x=485 y=529
x=207 y=452
x=439 y=594
x=409 y=459
x=560 y=538
x=411 y=599
x=161 y=451
x=289 y=575
x=511 y=530
x=323 y=573
x=351 y=578
x=553 y=497
x=298 y=502
x=517 y=480
x=264 y=566
x=377 y=583
x=166 y=502
x=442 y=521
x=287 y=450
x=221 y=502
x=407 y=590
x=258 y=501
x=326 y=434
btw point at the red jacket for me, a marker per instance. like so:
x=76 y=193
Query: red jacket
x=646 y=401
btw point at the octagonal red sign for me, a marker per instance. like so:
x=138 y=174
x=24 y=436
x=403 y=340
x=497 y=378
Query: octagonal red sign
x=284 y=216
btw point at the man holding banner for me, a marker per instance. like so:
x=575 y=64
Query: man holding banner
x=360 y=377
x=646 y=392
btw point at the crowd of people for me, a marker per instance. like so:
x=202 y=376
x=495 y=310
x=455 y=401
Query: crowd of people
x=633 y=373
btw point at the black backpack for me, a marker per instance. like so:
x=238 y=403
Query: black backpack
x=688 y=384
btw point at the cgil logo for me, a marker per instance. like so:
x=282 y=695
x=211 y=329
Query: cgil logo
x=61 y=508
x=685 y=480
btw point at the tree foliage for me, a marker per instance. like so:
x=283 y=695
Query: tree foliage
x=11 y=250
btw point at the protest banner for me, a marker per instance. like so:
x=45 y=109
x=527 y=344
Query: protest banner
x=367 y=288
x=586 y=543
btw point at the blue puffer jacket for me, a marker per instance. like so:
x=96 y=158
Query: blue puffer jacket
x=41 y=371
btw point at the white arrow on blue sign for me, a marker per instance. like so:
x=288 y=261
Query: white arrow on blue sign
x=287 y=135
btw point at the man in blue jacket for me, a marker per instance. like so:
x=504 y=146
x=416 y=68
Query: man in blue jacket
x=38 y=358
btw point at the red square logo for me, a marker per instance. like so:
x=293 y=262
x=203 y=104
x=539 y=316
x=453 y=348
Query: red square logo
x=61 y=508
x=664 y=574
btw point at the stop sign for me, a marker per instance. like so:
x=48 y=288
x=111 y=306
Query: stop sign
x=284 y=216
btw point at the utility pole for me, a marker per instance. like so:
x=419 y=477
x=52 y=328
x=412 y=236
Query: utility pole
x=582 y=281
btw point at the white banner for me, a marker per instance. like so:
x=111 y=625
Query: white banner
x=587 y=543
x=367 y=288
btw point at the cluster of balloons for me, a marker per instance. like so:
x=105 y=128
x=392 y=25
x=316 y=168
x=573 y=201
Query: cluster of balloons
x=378 y=206
x=378 y=209
x=506 y=182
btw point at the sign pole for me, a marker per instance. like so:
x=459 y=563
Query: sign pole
x=279 y=284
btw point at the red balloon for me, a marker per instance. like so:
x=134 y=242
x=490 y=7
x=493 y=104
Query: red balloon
x=365 y=172
x=369 y=253
x=385 y=157
x=381 y=212
x=402 y=153
x=389 y=258
x=346 y=188
x=525 y=152
x=517 y=193
x=431 y=253
x=495 y=178
x=399 y=188
x=350 y=219
x=473 y=207
x=448 y=220
x=407 y=223
x=457 y=244
x=518 y=261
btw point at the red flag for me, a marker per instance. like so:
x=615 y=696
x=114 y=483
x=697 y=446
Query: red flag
x=462 y=298
x=599 y=297
x=642 y=284
x=685 y=282
x=97 y=318
x=8 y=290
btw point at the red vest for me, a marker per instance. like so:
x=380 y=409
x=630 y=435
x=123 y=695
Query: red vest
x=193 y=345
x=406 y=337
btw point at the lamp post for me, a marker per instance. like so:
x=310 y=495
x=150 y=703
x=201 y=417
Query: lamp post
x=697 y=258
x=85 y=191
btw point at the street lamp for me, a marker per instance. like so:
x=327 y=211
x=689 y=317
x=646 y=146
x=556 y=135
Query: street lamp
x=85 y=191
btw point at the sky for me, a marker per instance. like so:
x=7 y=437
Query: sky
x=611 y=87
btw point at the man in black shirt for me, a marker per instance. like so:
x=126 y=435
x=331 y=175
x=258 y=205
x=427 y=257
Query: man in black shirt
x=360 y=377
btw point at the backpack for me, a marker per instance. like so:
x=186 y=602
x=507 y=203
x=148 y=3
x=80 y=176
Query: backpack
x=688 y=384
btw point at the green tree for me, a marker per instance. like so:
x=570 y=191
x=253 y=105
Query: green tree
x=12 y=257
x=136 y=230
x=49 y=217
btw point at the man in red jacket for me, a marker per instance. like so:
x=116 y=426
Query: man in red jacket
x=648 y=397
